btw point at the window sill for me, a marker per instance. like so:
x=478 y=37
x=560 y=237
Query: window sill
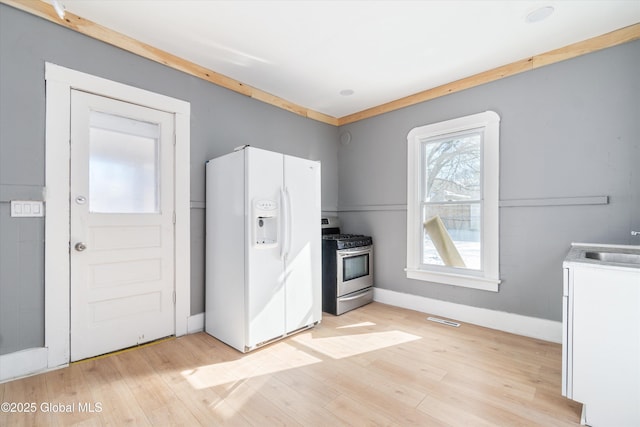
x=462 y=280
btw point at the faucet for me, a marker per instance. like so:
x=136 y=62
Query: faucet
x=635 y=233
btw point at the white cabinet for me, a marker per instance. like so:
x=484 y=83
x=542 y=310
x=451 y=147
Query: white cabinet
x=601 y=342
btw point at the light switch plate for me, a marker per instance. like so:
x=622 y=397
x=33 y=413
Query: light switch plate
x=27 y=208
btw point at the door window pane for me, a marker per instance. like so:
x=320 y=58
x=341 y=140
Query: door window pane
x=123 y=165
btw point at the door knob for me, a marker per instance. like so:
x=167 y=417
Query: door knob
x=80 y=246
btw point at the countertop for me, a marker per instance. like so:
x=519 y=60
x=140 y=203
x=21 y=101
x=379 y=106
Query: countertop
x=576 y=254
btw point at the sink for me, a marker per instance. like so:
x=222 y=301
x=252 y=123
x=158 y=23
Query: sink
x=617 y=257
x=605 y=255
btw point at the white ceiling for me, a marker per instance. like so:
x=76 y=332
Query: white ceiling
x=307 y=52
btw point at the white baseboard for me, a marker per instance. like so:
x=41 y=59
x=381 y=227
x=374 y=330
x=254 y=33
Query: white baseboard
x=547 y=330
x=23 y=363
x=195 y=323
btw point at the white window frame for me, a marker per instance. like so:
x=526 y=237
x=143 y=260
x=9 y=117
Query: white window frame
x=489 y=277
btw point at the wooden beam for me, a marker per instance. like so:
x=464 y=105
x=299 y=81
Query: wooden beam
x=437 y=92
x=614 y=38
x=77 y=23
x=594 y=44
x=92 y=29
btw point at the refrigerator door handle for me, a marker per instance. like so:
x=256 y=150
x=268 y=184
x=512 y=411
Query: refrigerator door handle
x=283 y=224
x=289 y=216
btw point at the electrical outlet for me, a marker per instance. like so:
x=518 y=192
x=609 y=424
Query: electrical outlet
x=27 y=208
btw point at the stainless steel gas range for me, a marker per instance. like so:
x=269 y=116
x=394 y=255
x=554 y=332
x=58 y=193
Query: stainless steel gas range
x=347 y=268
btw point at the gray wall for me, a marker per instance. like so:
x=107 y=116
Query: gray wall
x=220 y=121
x=567 y=130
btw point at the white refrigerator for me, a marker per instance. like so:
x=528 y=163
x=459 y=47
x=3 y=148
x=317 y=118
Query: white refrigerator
x=263 y=247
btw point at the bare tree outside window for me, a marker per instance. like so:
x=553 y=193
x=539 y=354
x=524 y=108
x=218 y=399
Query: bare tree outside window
x=451 y=206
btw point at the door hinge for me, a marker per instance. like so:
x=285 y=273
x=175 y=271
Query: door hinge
x=174 y=297
x=174 y=218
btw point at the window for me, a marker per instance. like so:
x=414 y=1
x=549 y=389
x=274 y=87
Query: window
x=452 y=202
x=123 y=165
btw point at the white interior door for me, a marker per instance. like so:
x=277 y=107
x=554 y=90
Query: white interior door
x=122 y=228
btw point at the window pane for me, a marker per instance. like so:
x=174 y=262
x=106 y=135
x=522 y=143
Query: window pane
x=355 y=266
x=123 y=165
x=452 y=168
x=451 y=235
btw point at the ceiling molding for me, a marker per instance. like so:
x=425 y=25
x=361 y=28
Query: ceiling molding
x=45 y=10
x=89 y=28
x=594 y=44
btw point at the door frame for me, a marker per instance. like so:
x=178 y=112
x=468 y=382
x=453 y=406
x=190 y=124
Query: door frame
x=57 y=273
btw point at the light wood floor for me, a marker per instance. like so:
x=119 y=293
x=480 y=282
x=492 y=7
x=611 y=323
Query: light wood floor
x=378 y=365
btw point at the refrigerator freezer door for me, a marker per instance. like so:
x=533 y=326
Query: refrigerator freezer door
x=303 y=299
x=265 y=268
x=225 y=255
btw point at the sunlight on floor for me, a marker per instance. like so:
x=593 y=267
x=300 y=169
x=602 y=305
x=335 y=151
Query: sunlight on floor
x=357 y=325
x=284 y=355
x=247 y=366
x=351 y=345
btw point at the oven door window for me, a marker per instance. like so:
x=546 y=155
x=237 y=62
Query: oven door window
x=355 y=266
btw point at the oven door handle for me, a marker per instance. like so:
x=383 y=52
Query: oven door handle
x=353 y=252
